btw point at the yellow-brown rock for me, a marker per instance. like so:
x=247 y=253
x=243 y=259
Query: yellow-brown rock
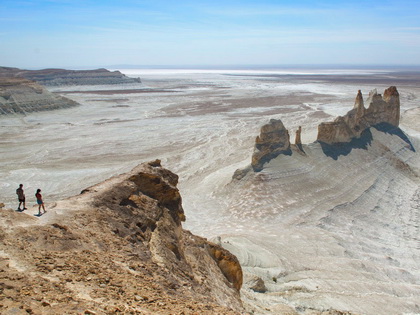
x=380 y=109
x=118 y=247
x=228 y=264
x=298 y=140
x=273 y=140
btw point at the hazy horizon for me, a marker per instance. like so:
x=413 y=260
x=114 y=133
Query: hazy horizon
x=234 y=67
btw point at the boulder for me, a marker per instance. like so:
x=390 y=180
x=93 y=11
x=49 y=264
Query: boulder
x=257 y=285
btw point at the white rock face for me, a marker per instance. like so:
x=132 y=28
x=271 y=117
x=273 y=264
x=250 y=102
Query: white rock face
x=322 y=232
x=334 y=233
x=21 y=96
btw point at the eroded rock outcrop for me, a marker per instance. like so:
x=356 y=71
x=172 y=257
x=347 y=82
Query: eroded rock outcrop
x=119 y=246
x=273 y=140
x=18 y=95
x=57 y=77
x=380 y=109
x=298 y=140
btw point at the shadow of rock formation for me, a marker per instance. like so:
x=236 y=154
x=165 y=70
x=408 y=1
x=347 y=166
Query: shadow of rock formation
x=344 y=148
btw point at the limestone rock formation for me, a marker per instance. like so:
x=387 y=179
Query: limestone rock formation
x=273 y=140
x=384 y=109
x=18 y=95
x=298 y=140
x=118 y=247
x=57 y=77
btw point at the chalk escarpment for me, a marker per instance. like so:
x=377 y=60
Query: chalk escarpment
x=57 y=77
x=18 y=95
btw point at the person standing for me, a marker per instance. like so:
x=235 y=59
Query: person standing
x=21 y=197
x=39 y=201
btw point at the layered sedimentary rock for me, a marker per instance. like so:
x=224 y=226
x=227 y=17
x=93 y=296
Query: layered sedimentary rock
x=118 y=247
x=273 y=140
x=57 y=77
x=18 y=95
x=380 y=109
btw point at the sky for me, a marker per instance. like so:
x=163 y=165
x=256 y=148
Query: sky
x=104 y=33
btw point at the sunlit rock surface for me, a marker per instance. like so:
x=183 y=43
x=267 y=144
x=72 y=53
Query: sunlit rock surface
x=58 y=77
x=380 y=109
x=204 y=132
x=335 y=232
x=117 y=247
x=21 y=96
x=273 y=140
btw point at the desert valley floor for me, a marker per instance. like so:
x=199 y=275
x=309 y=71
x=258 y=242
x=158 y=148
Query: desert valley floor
x=322 y=232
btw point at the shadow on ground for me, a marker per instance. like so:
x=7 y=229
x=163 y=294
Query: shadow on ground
x=344 y=148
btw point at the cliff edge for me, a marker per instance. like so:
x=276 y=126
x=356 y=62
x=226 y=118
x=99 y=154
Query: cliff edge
x=119 y=246
x=20 y=96
x=58 y=77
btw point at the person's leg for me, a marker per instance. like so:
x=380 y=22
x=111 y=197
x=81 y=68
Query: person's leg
x=39 y=209
x=24 y=204
x=20 y=202
x=43 y=207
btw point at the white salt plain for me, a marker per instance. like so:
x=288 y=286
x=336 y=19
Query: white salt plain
x=322 y=233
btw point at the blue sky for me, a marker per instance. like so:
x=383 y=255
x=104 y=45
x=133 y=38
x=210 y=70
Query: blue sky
x=87 y=33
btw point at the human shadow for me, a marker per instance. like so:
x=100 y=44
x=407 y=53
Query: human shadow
x=39 y=214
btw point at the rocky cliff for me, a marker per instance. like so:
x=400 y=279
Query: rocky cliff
x=118 y=247
x=273 y=140
x=380 y=109
x=18 y=95
x=382 y=112
x=57 y=77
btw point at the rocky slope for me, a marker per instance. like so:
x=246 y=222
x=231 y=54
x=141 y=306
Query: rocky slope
x=19 y=95
x=57 y=77
x=117 y=247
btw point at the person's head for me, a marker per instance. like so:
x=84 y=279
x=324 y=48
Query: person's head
x=20 y=185
x=38 y=190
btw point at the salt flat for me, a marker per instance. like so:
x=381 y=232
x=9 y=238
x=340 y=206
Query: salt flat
x=321 y=232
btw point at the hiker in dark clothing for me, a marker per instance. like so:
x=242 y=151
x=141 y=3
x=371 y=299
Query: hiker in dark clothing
x=21 y=197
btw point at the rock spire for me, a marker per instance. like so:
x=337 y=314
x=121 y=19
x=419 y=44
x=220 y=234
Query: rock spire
x=273 y=140
x=380 y=109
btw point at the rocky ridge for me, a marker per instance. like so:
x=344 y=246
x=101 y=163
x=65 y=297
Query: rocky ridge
x=19 y=95
x=58 y=77
x=274 y=138
x=119 y=246
x=384 y=109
